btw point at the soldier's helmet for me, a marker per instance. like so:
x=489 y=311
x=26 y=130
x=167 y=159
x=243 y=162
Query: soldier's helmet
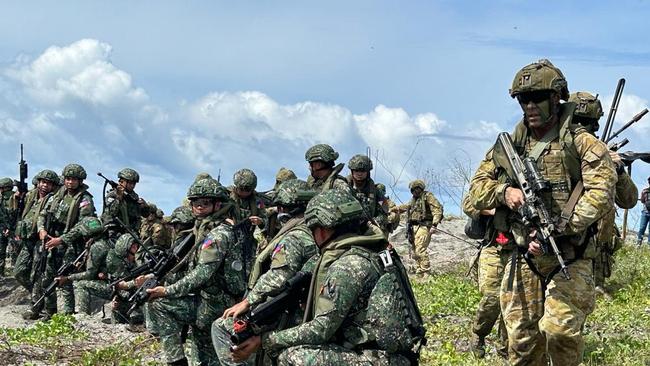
x=360 y=162
x=284 y=174
x=202 y=175
x=293 y=193
x=587 y=105
x=321 y=152
x=74 y=171
x=245 y=179
x=333 y=208
x=6 y=183
x=181 y=215
x=381 y=190
x=48 y=175
x=91 y=227
x=539 y=76
x=207 y=188
x=129 y=174
x=35 y=180
x=418 y=183
x=123 y=244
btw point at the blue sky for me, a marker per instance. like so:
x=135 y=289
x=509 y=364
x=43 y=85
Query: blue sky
x=174 y=88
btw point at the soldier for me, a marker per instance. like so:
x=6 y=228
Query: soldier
x=61 y=213
x=336 y=328
x=364 y=189
x=179 y=221
x=211 y=281
x=26 y=231
x=152 y=226
x=607 y=239
x=103 y=263
x=645 y=215
x=547 y=315
x=491 y=262
x=248 y=203
x=123 y=203
x=288 y=253
x=389 y=208
x=273 y=225
x=7 y=225
x=324 y=175
x=423 y=214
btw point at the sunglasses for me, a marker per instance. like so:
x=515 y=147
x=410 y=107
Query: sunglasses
x=201 y=203
x=535 y=97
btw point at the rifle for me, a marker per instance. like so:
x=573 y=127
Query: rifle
x=625 y=126
x=244 y=234
x=528 y=178
x=114 y=185
x=267 y=313
x=162 y=267
x=146 y=267
x=136 y=238
x=65 y=270
x=41 y=252
x=21 y=184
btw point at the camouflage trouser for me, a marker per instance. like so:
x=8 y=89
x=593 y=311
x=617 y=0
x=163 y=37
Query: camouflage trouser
x=221 y=341
x=85 y=290
x=23 y=266
x=490 y=273
x=553 y=325
x=168 y=317
x=4 y=243
x=41 y=281
x=421 y=245
x=334 y=355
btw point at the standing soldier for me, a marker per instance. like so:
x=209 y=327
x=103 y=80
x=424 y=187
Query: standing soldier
x=547 y=313
x=364 y=189
x=324 y=175
x=645 y=215
x=423 y=214
x=123 y=203
x=389 y=208
x=8 y=224
x=249 y=205
x=211 y=281
x=607 y=239
x=62 y=212
x=26 y=232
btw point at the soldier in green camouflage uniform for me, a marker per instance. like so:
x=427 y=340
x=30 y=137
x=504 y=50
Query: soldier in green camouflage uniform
x=324 y=175
x=491 y=263
x=289 y=252
x=124 y=204
x=8 y=218
x=389 y=207
x=211 y=281
x=273 y=225
x=548 y=321
x=61 y=213
x=26 y=230
x=335 y=320
x=249 y=205
x=364 y=189
x=607 y=239
x=424 y=213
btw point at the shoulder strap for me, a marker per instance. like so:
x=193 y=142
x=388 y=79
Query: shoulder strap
x=543 y=143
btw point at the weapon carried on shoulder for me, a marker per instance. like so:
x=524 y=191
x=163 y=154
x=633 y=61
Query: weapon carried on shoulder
x=268 y=312
x=528 y=178
x=21 y=184
x=114 y=185
x=65 y=270
x=162 y=267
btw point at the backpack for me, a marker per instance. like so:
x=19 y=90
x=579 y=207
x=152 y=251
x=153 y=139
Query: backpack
x=393 y=319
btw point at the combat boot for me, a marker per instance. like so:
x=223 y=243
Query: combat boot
x=31 y=315
x=478 y=346
x=181 y=362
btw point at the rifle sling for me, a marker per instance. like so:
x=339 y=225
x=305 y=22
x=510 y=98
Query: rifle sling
x=569 y=206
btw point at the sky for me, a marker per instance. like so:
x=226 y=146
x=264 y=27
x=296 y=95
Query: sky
x=176 y=88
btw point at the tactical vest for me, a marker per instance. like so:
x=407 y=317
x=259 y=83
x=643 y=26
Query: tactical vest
x=65 y=208
x=419 y=211
x=366 y=195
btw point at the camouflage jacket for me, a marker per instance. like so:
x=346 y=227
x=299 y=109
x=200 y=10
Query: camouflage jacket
x=334 y=180
x=423 y=210
x=584 y=159
x=369 y=199
x=287 y=252
x=95 y=262
x=65 y=211
x=8 y=217
x=626 y=196
x=252 y=205
x=127 y=209
x=215 y=265
x=153 y=227
x=27 y=226
x=340 y=288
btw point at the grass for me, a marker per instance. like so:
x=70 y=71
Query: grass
x=617 y=333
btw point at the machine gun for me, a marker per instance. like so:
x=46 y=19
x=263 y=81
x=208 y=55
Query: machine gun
x=21 y=184
x=267 y=313
x=525 y=175
x=162 y=267
x=65 y=270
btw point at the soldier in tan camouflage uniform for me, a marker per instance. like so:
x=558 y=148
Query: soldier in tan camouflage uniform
x=389 y=207
x=324 y=174
x=608 y=239
x=152 y=226
x=424 y=213
x=545 y=319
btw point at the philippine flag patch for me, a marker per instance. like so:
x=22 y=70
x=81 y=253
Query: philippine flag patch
x=276 y=250
x=84 y=203
x=206 y=244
